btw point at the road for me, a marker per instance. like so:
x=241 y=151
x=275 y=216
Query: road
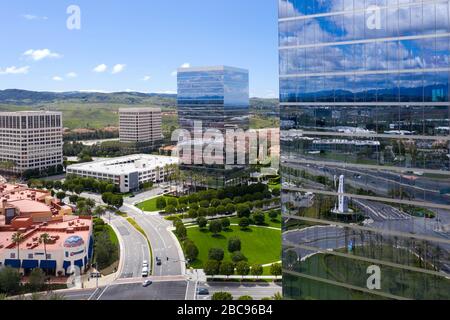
x=256 y=290
x=135 y=248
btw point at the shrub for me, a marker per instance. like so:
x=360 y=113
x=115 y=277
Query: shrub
x=223 y=296
x=212 y=211
x=204 y=204
x=226 y=223
x=202 y=212
x=244 y=223
x=191 y=251
x=242 y=268
x=215 y=203
x=172 y=201
x=273 y=215
x=243 y=210
x=230 y=208
x=211 y=267
x=234 y=244
x=192 y=213
x=226 y=268
x=202 y=222
x=221 y=210
x=216 y=254
x=238 y=256
x=259 y=217
x=276 y=269
x=245 y=298
x=161 y=203
x=257 y=270
x=215 y=227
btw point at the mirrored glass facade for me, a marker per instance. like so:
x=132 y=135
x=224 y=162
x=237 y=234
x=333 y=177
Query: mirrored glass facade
x=364 y=102
x=218 y=97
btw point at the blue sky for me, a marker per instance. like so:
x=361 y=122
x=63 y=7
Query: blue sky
x=145 y=40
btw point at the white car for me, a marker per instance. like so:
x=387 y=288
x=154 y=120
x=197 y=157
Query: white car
x=144 y=272
x=145 y=264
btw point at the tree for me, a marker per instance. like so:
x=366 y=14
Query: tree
x=215 y=227
x=230 y=208
x=216 y=254
x=273 y=215
x=276 y=269
x=238 y=256
x=60 y=195
x=259 y=217
x=161 y=203
x=226 y=268
x=243 y=210
x=211 y=267
x=106 y=252
x=73 y=198
x=215 y=203
x=242 y=268
x=192 y=213
x=244 y=223
x=226 y=223
x=17 y=238
x=221 y=210
x=234 y=244
x=202 y=212
x=222 y=296
x=191 y=251
x=170 y=209
x=277 y=296
x=204 y=204
x=212 y=211
x=180 y=231
x=257 y=270
x=37 y=279
x=99 y=211
x=44 y=239
x=202 y=222
x=172 y=201
x=245 y=298
x=9 y=280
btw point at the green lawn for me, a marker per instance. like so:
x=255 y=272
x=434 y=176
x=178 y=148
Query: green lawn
x=150 y=205
x=259 y=245
x=112 y=235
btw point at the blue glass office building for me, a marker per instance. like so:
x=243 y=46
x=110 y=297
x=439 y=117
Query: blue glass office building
x=218 y=97
x=364 y=101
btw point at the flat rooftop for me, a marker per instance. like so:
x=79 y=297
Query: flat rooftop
x=126 y=165
x=211 y=68
x=59 y=231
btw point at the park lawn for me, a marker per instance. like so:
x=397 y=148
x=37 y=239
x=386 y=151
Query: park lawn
x=259 y=245
x=150 y=205
x=112 y=235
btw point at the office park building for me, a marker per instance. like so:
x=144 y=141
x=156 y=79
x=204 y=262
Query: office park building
x=141 y=126
x=217 y=98
x=364 y=101
x=128 y=173
x=31 y=140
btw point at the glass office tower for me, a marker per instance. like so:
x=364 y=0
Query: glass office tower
x=218 y=98
x=365 y=148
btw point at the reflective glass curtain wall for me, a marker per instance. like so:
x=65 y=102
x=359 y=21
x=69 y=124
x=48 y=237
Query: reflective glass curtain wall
x=364 y=101
x=218 y=97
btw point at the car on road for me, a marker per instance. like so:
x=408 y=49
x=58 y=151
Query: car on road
x=158 y=261
x=146 y=283
x=145 y=272
x=144 y=264
x=202 y=291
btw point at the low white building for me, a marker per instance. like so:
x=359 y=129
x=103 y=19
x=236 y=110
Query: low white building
x=127 y=172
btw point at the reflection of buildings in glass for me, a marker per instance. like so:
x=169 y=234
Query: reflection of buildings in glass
x=342 y=203
x=370 y=104
x=218 y=98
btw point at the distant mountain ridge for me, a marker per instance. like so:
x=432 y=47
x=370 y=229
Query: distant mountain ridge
x=25 y=97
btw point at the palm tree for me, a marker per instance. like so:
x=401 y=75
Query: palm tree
x=44 y=239
x=17 y=238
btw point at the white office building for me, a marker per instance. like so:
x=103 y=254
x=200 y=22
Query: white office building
x=140 y=125
x=30 y=140
x=127 y=172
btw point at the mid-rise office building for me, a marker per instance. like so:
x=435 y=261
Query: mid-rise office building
x=128 y=173
x=140 y=126
x=363 y=97
x=31 y=141
x=214 y=98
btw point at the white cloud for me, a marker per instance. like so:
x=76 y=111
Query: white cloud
x=146 y=78
x=40 y=54
x=118 y=68
x=15 y=70
x=100 y=68
x=183 y=66
x=57 y=78
x=34 y=17
x=71 y=75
